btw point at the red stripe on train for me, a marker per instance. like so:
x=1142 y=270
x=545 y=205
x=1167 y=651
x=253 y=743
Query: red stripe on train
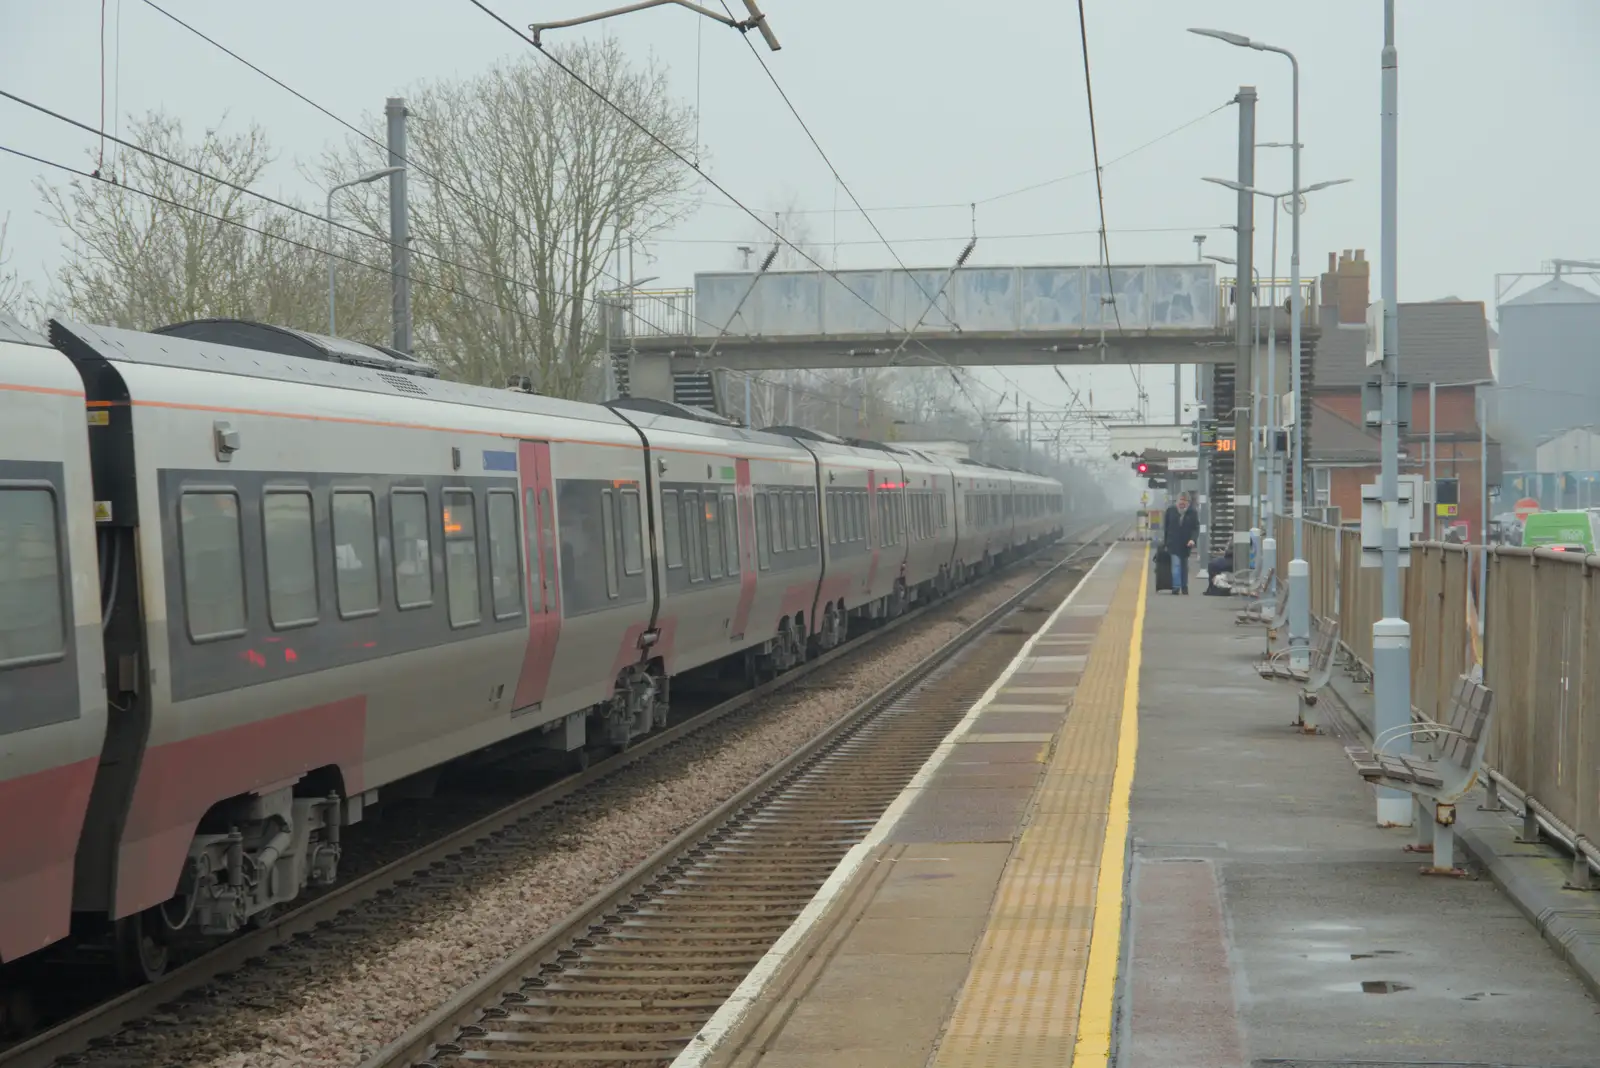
x=747 y=548
x=41 y=816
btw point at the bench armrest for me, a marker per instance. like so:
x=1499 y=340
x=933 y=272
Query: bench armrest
x=1412 y=730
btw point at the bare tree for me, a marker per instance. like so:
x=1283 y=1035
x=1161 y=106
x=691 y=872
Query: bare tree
x=197 y=247
x=16 y=295
x=138 y=262
x=519 y=181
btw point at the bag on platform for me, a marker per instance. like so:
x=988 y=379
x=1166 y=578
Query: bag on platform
x=1163 y=570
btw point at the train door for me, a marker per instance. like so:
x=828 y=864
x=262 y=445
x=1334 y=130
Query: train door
x=544 y=583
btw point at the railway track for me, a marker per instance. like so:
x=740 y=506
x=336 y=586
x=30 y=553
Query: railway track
x=631 y=977
x=346 y=911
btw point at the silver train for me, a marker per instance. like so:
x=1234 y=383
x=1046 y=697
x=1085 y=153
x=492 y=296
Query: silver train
x=253 y=580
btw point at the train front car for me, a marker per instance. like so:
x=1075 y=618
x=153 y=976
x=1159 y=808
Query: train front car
x=346 y=577
x=52 y=705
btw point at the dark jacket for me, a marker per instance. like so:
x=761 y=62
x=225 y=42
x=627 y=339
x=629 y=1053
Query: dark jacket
x=1179 y=529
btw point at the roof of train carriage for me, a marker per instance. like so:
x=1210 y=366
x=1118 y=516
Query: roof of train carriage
x=11 y=329
x=808 y=434
x=168 y=350
x=287 y=341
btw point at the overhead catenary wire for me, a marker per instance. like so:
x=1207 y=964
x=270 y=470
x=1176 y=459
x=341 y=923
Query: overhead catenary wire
x=837 y=177
x=1033 y=187
x=1100 y=188
x=307 y=246
x=355 y=231
x=410 y=164
x=681 y=158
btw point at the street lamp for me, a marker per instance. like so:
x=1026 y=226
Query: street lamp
x=1255 y=363
x=756 y=21
x=1299 y=570
x=370 y=176
x=1296 y=207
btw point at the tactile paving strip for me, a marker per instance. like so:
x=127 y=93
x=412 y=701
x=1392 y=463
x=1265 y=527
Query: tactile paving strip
x=1020 y=1003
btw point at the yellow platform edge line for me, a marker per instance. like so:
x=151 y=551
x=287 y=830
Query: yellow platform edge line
x=1096 y=1013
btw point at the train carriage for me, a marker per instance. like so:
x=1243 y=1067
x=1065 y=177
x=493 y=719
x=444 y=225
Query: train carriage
x=52 y=701
x=736 y=519
x=307 y=529
x=860 y=575
x=307 y=575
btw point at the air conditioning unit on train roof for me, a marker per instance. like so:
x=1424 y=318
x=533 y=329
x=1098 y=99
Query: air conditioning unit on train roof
x=287 y=341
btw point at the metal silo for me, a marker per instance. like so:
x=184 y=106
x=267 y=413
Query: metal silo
x=1549 y=374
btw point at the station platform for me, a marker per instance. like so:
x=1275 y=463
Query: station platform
x=1125 y=854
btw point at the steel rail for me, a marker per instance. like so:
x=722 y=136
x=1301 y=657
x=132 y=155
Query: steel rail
x=108 y=1018
x=438 y=1029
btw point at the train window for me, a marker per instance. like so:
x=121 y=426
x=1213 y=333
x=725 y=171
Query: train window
x=505 y=569
x=213 y=564
x=859 y=509
x=713 y=521
x=788 y=521
x=608 y=539
x=355 y=553
x=763 y=533
x=730 y=534
x=461 y=558
x=692 y=525
x=291 y=559
x=808 y=509
x=830 y=518
x=32 y=619
x=672 y=534
x=942 y=517
x=632 y=538
x=413 y=558
x=530 y=528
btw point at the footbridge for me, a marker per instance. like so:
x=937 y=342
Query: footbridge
x=974 y=316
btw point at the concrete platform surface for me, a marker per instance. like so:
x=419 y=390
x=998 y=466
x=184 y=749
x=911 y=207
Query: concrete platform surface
x=1273 y=923
x=1225 y=900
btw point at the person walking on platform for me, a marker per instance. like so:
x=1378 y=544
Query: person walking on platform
x=1179 y=530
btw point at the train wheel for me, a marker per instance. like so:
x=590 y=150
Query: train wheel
x=141 y=947
x=18 y=1015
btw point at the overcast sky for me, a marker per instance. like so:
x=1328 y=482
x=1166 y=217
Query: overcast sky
x=928 y=102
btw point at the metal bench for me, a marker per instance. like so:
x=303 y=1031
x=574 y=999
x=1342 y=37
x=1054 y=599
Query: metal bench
x=1439 y=779
x=1324 y=654
x=1262 y=608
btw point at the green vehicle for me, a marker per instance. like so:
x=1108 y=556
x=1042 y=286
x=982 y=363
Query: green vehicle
x=1566 y=531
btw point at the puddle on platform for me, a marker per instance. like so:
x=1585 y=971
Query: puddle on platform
x=1371 y=986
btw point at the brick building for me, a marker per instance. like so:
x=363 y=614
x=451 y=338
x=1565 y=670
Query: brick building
x=1442 y=341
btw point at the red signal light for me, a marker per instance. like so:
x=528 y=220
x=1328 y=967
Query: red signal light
x=1143 y=468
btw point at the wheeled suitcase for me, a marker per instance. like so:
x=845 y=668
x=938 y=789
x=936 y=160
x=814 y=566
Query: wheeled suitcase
x=1163 y=570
